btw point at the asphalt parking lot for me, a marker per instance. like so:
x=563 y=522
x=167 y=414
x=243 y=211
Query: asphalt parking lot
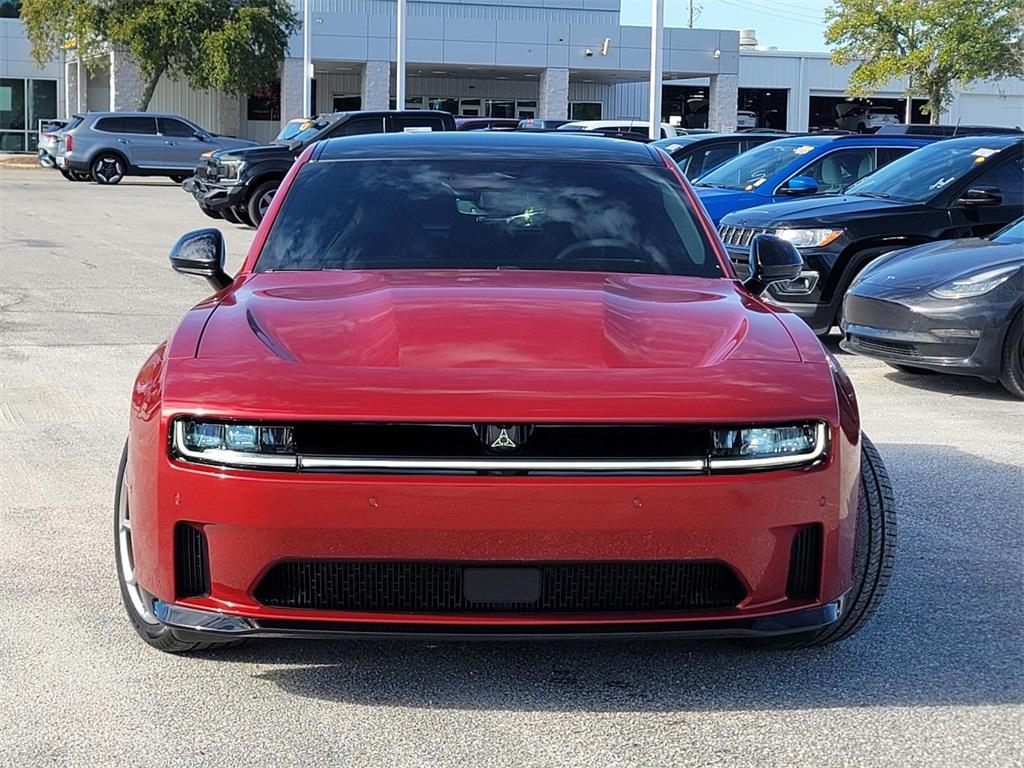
x=86 y=292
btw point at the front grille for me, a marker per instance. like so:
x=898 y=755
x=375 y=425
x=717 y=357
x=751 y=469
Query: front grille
x=901 y=349
x=805 y=564
x=741 y=236
x=191 y=561
x=535 y=441
x=437 y=588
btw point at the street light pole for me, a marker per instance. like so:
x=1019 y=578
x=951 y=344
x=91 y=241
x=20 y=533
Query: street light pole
x=657 y=66
x=400 y=57
x=307 y=60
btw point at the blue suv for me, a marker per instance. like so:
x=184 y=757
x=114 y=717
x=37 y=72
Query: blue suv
x=799 y=166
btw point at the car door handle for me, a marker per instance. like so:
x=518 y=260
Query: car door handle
x=171 y=143
x=122 y=141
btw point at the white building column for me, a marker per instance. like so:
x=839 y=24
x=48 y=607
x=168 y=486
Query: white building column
x=74 y=88
x=291 y=90
x=376 y=91
x=126 y=86
x=553 y=101
x=722 y=97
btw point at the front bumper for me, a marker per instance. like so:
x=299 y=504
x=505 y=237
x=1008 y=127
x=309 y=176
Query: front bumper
x=928 y=333
x=253 y=520
x=195 y=625
x=213 y=195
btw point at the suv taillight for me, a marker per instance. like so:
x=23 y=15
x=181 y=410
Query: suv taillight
x=69 y=142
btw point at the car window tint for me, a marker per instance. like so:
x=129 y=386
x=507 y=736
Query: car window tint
x=837 y=170
x=110 y=124
x=478 y=214
x=1007 y=178
x=358 y=127
x=143 y=125
x=887 y=154
x=716 y=154
x=170 y=127
x=410 y=123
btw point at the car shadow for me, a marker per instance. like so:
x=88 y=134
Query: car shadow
x=948 y=384
x=948 y=632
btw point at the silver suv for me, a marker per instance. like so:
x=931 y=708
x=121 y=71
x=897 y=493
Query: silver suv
x=111 y=145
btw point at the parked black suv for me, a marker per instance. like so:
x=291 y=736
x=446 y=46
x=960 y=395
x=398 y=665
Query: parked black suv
x=238 y=185
x=963 y=187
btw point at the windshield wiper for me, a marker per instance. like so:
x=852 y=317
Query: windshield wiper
x=879 y=195
x=711 y=184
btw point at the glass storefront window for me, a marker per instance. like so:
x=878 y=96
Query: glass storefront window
x=42 y=102
x=585 y=110
x=12 y=103
x=501 y=108
x=12 y=141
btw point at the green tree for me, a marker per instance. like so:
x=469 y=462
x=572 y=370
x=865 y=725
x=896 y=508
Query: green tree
x=229 y=45
x=933 y=44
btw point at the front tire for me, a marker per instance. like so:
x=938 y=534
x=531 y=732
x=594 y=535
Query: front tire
x=138 y=603
x=108 y=168
x=210 y=212
x=1012 y=374
x=873 y=557
x=260 y=199
x=229 y=215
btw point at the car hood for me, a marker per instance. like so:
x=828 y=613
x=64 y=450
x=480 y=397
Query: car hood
x=926 y=266
x=231 y=143
x=495 y=319
x=813 y=211
x=513 y=345
x=720 y=202
x=254 y=153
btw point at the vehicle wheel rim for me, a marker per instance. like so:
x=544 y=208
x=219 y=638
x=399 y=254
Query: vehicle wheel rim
x=265 y=200
x=140 y=599
x=109 y=169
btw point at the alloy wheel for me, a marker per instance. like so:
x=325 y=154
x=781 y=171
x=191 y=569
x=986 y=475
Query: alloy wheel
x=109 y=170
x=265 y=199
x=140 y=599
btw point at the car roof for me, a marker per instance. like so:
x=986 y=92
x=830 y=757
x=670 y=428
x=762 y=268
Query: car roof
x=447 y=145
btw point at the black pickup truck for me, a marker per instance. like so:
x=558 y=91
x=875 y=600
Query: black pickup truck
x=238 y=184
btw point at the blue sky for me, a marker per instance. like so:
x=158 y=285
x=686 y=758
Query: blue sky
x=789 y=24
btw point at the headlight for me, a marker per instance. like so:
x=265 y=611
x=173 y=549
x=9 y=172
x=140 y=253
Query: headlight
x=975 y=285
x=232 y=444
x=809 y=238
x=230 y=170
x=768 y=446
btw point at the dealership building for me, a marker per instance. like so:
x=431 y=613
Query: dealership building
x=528 y=58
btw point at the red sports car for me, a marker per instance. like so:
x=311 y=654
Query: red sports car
x=492 y=385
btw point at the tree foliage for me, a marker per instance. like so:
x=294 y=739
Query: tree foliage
x=934 y=44
x=229 y=45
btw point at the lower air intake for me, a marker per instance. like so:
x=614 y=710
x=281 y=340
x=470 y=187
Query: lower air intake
x=545 y=588
x=191 y=561
x=804 y=579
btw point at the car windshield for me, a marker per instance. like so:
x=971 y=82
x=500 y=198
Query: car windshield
x=1011 y=233
x=299 y=131
x=477 y=214
x=920 y=175
x=750 y=170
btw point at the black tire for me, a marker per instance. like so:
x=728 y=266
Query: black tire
x=228 y=214
x=1012 y=374
x=210 y=212
x=242 y=212
x=150 y=629
x=260 y=199
x=178 y=179
x=70 y=175
x=108 y=168
x=873 y=557
x=913 y=370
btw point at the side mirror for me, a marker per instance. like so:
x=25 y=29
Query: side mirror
x=772 y=260
x=201 y=253
x=200 y=136
x=976 y=196
x=801 y=185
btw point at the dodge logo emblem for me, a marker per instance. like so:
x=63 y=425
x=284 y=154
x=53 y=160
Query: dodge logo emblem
x=502 y=438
